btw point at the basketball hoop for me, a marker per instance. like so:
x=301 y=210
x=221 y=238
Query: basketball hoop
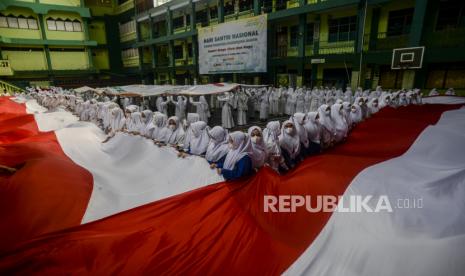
x=407 y=58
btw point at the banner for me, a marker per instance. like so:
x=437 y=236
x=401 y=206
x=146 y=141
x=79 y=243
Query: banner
x=234 y=47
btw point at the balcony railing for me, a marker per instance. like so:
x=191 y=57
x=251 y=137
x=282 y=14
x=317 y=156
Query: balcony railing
x=384 y=41
x=337 y=47
x=450 y=38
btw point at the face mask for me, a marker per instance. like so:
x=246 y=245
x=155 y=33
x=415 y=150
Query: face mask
x=289 y=130
x=172 y=127
x=256 y=139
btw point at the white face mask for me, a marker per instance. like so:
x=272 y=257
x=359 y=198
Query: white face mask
x=289 y=130
x=172 y=127
x=256 y=139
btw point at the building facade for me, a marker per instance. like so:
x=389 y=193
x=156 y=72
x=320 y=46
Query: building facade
x=310 y=42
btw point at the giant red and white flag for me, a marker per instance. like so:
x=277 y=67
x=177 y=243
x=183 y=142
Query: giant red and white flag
x=152 y=213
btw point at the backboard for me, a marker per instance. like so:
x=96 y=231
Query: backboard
x=407 y=58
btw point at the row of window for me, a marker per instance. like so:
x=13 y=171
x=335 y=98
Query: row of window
x=129 y=53
x=18 y=22
x=64 y=25
x=128 y=27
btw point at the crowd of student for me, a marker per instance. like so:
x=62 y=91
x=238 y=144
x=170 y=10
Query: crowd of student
x=314 y=125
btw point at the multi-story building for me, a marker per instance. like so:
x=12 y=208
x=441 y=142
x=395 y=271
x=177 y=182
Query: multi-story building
x=64 y=42
x=311 y=42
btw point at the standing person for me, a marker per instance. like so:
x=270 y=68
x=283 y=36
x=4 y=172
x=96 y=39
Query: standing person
x=340 y=125
x=271 y=140
x=199 y=141
x=299 y=120
x=242 y=109
x=290 y=144
x=290 y=102
x=227 y=120
x=202 y=108
x=175 y=134
x=274 y=107
x=218 y=147
x=264 y=105
x=180 y=104
x=147 y=119
x=162 y=105
x=300 y=101
x=135 y=125
x=259 y=152
x=356 y=115
x=327 y=126
x=312 y=126
x=238 y=162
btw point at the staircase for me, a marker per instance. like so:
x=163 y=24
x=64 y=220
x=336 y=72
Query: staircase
x=9 y=88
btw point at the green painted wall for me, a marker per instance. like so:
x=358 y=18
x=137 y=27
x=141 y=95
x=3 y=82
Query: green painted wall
x=101 y=59
x=97 y=31
x=25 y=60
x=69 y=60
x=20 y=33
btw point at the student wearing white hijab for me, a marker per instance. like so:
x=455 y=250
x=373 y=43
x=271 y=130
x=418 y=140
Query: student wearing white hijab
x=328 y=131
x=202 y=108
x=242 y=109
x=373 y=106
x=227 y=120
x=312 y=126
x=199 y=140
x=360 y=101
x=259 y=152
x=271 y=140
x=147 y=119
x=450 y=92
x=135 y=124
x=385 y=100
x=346 y=107
x=159 y=127
x=218 y=147
x=356 y=115
x=162 y=105
x=433 y=92
x=238 y=162
x=299 y=120
x=175 y=133
x=117 y=121
x=191 y=118
x=290 y=144
x=181 y=104
x=340 y=125
x=264 y=105
x=403 y=99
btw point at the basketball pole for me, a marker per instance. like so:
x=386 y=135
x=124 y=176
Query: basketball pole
x=361 y=46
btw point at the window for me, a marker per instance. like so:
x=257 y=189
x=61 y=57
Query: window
x=77 y=26
x=32 y=23
x=3 y=21
x=245 y=5
x=178 y=52
x=294 y=31
x=12 y=22
x=22 y=22
x=229 y=8
x=214 y=12
x=189 y=49
x=451 y=15
x=51 y=25
x=178 y=22
x=342 y=29
x=309 y=39
x=399 y=22
x=68 y=25
x=60 y=25
x=202 y=17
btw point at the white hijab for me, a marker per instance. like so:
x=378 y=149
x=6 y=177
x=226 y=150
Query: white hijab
x=346 y=113
x=373 y=106
x=312 y=126
x=271 y=137
x=175 y=136
x=299 y=121
x=325 y=118
x=259 y=152
x=289 y=142
x=242 y=147
x=356 y=115
x=340 y=123
x=159 y=129
x=135 y=122
x=199 y=140
x=218 y=146
x=117 y=119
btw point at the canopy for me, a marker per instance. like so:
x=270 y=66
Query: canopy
x=140 y=90
x=84 y=89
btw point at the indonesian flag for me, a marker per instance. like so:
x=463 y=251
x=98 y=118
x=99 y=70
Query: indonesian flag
x=78 y=206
